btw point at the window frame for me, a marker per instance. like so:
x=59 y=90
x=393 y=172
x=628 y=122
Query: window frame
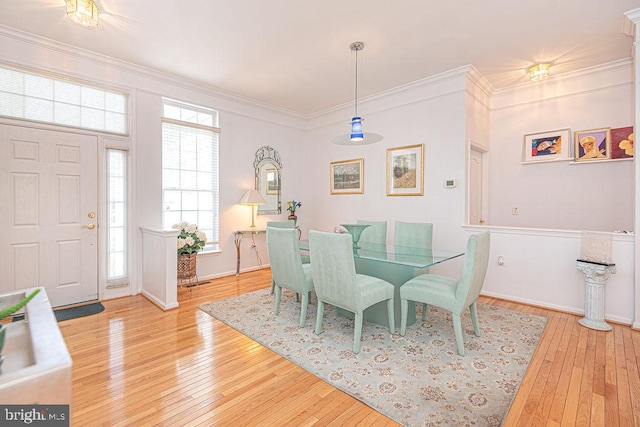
x=213 y=241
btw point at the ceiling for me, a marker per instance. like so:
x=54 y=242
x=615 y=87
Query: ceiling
x=294 y=54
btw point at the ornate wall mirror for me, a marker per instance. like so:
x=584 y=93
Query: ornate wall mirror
x=268 y=166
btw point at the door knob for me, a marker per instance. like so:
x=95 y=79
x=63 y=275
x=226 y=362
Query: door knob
x=89 y=226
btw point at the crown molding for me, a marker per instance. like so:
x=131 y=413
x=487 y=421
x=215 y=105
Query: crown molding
x=137 y=70
x=633 y=16
x=480 y=81
x=412 y=87
x=614 y=66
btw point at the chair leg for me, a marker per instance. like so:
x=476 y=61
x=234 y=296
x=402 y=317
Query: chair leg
x=273 y=285
x=404 y=313
x=392 y=316
x=319 y=317
x=276 y=307
x=297 y=297
x=424 y=311
x=474 y=318
x=357 y=333
x=457 y=329
x=303 y=309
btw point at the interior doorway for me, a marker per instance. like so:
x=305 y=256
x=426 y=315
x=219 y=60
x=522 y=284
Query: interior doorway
x=477 y=196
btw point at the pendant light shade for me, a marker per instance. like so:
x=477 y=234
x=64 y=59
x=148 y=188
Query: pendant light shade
x=357 y=136
x=356 y=129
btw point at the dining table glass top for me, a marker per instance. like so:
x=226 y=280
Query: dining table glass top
x=396 y=254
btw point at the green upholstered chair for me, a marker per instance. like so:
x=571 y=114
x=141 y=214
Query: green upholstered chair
x=287 y=269
x=414 y=234
x=376 y=233
x=287 y=224
x=282 y=224
x=450 y=294
x=336 y=282
x=417 y=235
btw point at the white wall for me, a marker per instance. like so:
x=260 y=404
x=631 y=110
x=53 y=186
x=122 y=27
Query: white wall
x=562 y=195
x=432 y=114
x=540 y=269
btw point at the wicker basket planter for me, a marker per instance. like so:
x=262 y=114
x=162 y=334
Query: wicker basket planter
x=187 y=266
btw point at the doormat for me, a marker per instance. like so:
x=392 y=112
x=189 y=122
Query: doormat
x=72 y=312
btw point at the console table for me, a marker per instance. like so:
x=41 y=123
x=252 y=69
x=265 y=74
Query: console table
x=237 y=238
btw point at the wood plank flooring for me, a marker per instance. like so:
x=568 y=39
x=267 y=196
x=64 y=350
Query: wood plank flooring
x=137 y=365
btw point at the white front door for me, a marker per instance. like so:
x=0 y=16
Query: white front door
x=48 y=213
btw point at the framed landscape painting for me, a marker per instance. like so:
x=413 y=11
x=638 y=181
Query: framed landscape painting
x=547 y=146
x=405 y=171
x=594 y=144
x=347 y=177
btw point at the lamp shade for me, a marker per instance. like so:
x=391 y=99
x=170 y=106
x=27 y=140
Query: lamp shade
x=252 y=198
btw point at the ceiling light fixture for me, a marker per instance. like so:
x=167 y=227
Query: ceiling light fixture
x=83 y=12
x=539 y=72
x=357 y=136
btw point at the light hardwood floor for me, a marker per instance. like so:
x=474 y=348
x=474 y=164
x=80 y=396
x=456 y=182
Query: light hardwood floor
x=135 y=365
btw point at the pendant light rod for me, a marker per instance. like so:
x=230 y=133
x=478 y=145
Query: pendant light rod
x=356 y=47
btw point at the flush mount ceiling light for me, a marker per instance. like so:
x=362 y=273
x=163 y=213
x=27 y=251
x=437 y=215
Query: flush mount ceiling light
x=539 y=72
x=83 y=12
x=356 y=136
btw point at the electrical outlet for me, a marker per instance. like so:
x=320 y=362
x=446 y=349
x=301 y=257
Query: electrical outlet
x=514 y=211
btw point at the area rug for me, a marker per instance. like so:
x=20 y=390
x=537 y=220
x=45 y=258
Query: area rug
x=416 y=380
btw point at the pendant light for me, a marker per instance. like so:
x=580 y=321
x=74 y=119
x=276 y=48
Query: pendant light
x=357 y=136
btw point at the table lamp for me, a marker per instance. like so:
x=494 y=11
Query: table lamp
x=252 y=198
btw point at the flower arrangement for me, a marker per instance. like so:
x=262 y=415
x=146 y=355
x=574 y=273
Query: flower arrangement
x=190 y=239
x=293 y=205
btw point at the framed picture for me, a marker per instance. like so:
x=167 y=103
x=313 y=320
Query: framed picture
x=347 y=177
x=405 y=171
x=622 y=143
x=594 y=144
x=273 y=186
x=547 y=146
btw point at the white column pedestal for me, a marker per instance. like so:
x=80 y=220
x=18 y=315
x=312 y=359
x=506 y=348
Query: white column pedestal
x=596 y=276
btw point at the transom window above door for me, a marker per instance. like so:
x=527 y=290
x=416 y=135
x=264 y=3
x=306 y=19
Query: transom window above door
x=62 y=101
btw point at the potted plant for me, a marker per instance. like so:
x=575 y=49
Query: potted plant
x=9 y=311
x=190 y=242
x=293 y=205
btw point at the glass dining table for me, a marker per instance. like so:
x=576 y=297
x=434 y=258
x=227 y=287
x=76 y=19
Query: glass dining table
x=395 y=264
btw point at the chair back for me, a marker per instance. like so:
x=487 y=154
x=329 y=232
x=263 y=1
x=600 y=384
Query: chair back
x=334 y=271
x=474 y=270
x=282 y=224
x=376 y=233
x=413 y=234
x=284 y=257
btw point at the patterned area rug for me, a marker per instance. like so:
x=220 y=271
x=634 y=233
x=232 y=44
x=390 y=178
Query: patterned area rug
x=416 y=380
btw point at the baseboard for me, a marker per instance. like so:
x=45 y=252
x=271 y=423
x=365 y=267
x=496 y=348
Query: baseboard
x=157 y=302
x=558 y=308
